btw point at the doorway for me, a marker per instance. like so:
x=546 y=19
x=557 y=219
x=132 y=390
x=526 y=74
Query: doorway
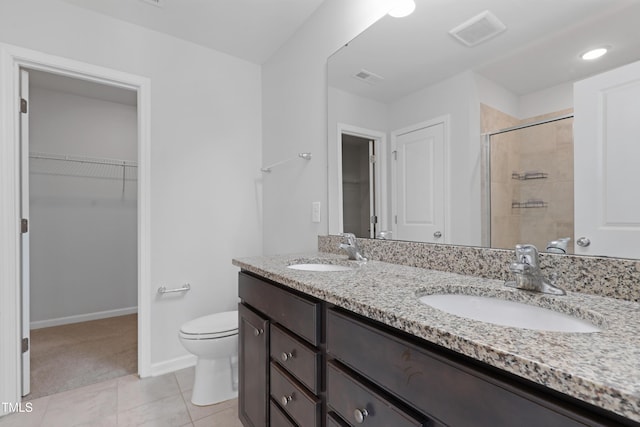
x=13 y=59
x=361 y=172
x=79 y=193
x=358 y=186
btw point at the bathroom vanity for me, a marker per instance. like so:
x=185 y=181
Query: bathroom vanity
x=336 y=348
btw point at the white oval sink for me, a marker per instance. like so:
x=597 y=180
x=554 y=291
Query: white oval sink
x=507 y=313
x=319 y=267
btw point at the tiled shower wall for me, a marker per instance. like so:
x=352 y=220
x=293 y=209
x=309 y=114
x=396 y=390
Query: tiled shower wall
x=533 y=210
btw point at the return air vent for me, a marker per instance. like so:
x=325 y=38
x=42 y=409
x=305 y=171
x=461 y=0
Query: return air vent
x=478 y=29
x=368 y=77
x=157 y=3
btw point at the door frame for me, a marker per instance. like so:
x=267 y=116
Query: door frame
x=12 y=58
x=445 y=121
x=380 y=144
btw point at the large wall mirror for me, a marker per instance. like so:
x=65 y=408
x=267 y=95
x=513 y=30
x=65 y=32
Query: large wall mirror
x=477 y=122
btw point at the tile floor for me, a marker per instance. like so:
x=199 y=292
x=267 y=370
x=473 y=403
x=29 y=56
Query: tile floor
x=127 y=401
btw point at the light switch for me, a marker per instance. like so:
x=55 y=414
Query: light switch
x=315 y=212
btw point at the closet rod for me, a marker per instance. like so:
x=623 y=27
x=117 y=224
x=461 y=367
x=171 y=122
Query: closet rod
x=78 y=159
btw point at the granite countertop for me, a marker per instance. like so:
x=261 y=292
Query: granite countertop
x=601 y=368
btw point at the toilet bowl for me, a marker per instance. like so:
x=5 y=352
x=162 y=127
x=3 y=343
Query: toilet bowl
x=214 y=340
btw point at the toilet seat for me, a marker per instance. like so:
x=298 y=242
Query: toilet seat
x=212 y=326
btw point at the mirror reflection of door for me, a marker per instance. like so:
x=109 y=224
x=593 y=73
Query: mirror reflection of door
x=607 y=131
x=419 y=183
x=358 y=186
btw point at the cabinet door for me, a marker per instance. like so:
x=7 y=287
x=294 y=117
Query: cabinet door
x=253 y=364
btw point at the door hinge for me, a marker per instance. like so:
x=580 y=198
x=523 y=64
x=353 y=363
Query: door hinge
x=25 y=345
x=23 y=106
x=395 y=154
x=24 y=225
x=374 y=219
x=395 y=219
x=372 y=158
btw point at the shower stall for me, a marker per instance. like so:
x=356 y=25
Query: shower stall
x=528 y=184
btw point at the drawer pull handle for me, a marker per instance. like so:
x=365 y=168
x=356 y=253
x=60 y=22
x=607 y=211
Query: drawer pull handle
x=286 y=356
x=257 y=331
x=286 y=399
x=360 y=415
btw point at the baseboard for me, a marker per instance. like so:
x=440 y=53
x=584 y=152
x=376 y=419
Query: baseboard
x=173 y=365
x=82 y=317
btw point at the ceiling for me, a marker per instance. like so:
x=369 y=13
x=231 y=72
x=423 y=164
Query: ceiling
x=249 y=29
x=539 y=49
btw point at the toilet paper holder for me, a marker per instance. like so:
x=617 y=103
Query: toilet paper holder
x=163 y=289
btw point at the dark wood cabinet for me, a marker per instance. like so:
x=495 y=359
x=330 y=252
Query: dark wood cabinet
x=357 y=403
x=253 y=365
x=278 y=418
x=306 y=363
x=280 y=358
x=444 y=387
x=299 y=359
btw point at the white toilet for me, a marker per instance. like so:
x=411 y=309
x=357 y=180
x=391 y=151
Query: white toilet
x=214 y=340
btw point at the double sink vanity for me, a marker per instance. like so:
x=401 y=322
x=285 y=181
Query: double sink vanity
x=325 y=341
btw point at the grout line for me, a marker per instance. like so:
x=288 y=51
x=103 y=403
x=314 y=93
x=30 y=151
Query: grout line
x=186 y=405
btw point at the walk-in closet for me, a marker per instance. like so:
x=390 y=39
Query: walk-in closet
x=82 y=192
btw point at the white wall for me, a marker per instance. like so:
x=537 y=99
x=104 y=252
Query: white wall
x=205 y=152
x=348 y=109
x=83 y=227
x=294 y=105
x=456 y=97
x=498 y=97
x=546 y=101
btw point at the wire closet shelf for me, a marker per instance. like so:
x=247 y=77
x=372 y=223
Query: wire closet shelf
x=80 y=166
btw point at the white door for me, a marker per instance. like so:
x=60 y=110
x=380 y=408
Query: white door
x=607 y=151
x=418 y=184
x=24 y=208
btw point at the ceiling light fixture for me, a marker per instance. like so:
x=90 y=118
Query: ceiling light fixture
x=403 y=8
x=594 y=53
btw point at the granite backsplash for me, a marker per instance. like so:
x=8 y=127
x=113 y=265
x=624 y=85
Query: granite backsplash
x=603 y=276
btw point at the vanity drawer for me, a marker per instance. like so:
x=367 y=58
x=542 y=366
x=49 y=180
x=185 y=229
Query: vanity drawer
x=358 y=404
x=294 y=399
x=440 y=386
x=333 y=421
x=298 y=358
x=278 y=418
x=299 y=315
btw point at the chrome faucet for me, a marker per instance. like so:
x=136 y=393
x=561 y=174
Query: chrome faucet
x=528 y=274
x=558 y=246
x=352 y=248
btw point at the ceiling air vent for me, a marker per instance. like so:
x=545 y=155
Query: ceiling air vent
x=478 y=29
x=368 y=77
x=157 y=3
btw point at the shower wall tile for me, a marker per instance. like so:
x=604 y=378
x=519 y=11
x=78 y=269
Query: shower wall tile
x=546 y=148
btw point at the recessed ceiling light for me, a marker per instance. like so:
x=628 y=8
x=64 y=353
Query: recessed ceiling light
x=594 y=53
x=403 y=8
